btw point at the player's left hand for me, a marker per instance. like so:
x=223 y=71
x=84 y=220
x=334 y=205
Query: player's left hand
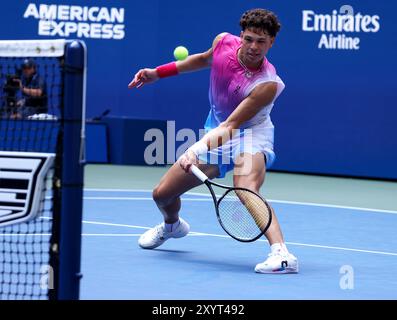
x=187 y=160
x=142 y=77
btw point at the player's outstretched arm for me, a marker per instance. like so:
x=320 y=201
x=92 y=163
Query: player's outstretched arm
x=192 y=63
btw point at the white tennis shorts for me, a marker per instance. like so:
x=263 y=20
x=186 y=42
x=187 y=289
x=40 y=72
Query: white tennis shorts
x=258 y=138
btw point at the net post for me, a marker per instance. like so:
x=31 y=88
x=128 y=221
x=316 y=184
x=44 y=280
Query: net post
x=73 y=173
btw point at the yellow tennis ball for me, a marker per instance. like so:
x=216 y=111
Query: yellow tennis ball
x=181 y=53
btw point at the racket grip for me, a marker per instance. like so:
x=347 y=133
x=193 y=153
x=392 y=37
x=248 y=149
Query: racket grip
x=198 y=173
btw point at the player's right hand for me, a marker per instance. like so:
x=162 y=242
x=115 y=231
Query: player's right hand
x=187 y=160
x=143 y=77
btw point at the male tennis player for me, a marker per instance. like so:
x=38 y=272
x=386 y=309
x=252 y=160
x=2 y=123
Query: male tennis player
x=243 y=89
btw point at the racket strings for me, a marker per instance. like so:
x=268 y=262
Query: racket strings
x=244 y=214
x=256 y=207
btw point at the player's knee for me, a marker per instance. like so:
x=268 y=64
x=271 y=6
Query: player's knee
x=159 y=196
x=156 y=194
x=253 y=183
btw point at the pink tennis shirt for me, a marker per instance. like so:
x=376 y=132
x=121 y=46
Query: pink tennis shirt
x=229 y=84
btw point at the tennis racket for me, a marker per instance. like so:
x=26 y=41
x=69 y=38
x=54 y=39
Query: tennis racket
x=242 y=213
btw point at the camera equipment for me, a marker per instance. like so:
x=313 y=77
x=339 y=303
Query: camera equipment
x=10 y=89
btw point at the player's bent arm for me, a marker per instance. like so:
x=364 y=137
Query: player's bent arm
x=261 y=96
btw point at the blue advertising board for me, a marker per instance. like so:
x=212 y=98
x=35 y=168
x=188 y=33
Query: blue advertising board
x=336 y=115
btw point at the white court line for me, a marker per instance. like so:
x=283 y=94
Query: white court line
x=24 y=234
x=107 y=224
x=334 y=206
x=192 y=233
x=195 y=234
x=227 y=237
x=115 y=225
x=111 y=234
x=210 y=199
x=341 y=248
x=308 y=245
x=83 y=234
x=142 y=198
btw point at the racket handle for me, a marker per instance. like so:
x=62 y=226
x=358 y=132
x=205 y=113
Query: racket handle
x=198 y=173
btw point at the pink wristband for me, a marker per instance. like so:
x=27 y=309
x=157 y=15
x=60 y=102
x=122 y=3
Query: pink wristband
x=167 y=70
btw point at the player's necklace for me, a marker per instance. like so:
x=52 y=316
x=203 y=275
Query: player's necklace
x=248 y=73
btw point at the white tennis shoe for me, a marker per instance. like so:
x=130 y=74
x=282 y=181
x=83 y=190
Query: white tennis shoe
x=278 y=262
x=156 y=236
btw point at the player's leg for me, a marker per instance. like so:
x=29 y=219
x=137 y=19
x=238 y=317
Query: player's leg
x=167 y=197
x=174 y=183
x=249 y=172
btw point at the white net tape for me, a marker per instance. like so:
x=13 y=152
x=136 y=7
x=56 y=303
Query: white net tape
x=32 y=48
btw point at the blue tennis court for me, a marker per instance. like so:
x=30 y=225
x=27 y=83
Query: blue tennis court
x=331 y=242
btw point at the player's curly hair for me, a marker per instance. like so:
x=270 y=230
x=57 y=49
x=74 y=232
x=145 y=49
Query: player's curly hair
x=261 y=19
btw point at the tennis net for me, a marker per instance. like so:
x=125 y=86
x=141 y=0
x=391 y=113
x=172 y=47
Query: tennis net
x=42 y=86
